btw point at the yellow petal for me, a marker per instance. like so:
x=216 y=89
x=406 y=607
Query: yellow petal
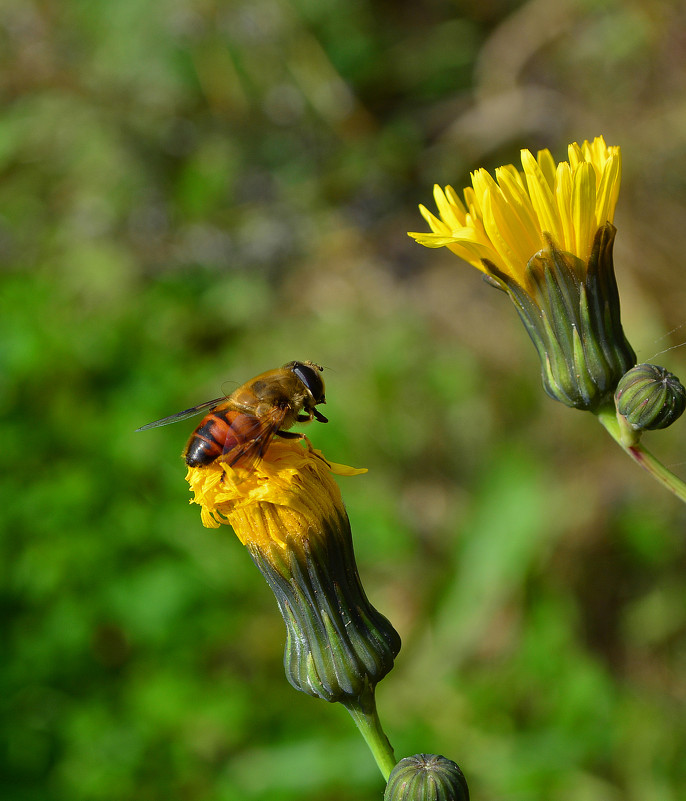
x=547 y=165
x=450 y=213
x=436 y=225
x=563 y=196
x=497 y=227
x=432 y=240
x=608 y=190
x=583 y=209
x=575 y=156
x=456 y=201
x=526 y=230
x=344 y=470
x=542 y=198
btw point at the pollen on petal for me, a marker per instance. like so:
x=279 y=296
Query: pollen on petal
x=285 y=493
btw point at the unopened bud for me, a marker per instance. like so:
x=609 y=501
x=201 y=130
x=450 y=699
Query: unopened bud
x=649 y=397
x=426 y=777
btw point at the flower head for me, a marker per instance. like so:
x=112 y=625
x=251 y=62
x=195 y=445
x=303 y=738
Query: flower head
x=288 y=512
x=297 y=482
x=504 y=220
x=545 y=236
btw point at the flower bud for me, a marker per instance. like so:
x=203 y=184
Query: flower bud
x=426 y=777
x=649 y=397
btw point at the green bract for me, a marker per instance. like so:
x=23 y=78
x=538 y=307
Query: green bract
x=337 y=644
x=571 y=311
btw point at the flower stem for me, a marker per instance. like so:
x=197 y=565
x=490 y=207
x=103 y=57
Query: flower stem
x=608 y=418
x=363 y=712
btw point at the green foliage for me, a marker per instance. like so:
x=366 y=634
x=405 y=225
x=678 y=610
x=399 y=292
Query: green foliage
x=193 y=192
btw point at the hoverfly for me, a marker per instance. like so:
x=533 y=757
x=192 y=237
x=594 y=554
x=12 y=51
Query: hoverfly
x=238 y=428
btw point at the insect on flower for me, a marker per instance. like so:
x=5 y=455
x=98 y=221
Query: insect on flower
x=238 y=428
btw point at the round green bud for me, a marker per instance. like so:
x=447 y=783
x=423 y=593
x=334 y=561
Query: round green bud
x=649 y=397
x=426 y=777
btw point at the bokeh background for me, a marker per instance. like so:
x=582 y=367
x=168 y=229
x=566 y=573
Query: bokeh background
x=193 y=191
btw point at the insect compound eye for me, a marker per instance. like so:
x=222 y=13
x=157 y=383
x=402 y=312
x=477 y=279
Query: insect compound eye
x=311 y=378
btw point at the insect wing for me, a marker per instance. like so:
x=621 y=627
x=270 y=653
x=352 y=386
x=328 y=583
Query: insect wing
x=253 y=437
x=184 y=415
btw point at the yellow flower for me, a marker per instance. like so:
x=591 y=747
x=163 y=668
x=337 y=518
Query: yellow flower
x=289 y=514
x=545 y=236
x=504 y=220
x=291 y=482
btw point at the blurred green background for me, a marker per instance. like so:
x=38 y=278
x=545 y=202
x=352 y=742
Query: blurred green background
x=193 y=191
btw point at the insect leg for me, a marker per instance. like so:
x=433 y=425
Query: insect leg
x=298 y=435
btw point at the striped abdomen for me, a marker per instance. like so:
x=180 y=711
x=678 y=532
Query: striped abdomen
x=221 y=432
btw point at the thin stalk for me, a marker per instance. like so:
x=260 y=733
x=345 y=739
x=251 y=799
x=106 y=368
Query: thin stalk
x=363 y=712
x=608 y=418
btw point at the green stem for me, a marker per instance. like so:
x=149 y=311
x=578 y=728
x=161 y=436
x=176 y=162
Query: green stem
x=608 y=418
x=363 y=711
